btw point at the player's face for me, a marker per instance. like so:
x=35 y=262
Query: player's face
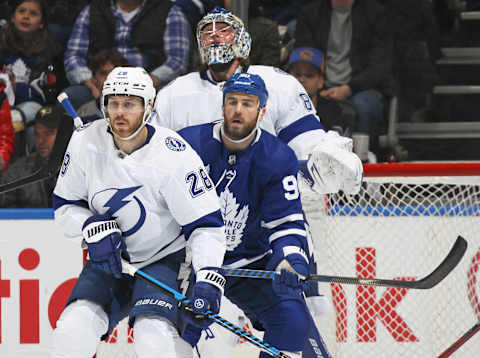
x=125 y=114
x=240 y=113
x=44 y=139
x=27 y=17
x=217 y=33
x=308 y=75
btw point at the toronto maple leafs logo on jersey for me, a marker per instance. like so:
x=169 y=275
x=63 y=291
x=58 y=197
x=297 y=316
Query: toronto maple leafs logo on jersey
x=123 y=205
x=175 y=144
x=235 y=220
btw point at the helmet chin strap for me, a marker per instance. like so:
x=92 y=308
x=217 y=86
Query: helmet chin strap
x=247 y=137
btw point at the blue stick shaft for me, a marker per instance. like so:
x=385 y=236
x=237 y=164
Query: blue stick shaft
x=67 y=105
x=274 y=352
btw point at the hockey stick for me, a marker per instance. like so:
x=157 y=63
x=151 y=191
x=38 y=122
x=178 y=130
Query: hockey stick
x=447 y=265
x=132 y=271
x=459 y=342
x=64 y=132
x=67 y=105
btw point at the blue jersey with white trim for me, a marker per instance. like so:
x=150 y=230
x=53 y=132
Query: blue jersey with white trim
x=160 y=194
x=259 y=196
x=196 y=99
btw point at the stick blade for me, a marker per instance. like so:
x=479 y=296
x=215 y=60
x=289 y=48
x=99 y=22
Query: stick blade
x=448 y=264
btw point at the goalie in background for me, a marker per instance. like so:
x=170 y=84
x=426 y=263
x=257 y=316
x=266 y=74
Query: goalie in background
x=127 y=189
x=38 y=194
x=255 y=175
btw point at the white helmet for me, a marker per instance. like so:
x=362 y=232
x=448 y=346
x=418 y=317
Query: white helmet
x=223 y=53
x=129 y=81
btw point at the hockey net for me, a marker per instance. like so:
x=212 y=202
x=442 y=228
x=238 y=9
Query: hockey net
x=400 y=226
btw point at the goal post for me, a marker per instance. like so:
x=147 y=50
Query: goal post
x=400 y=226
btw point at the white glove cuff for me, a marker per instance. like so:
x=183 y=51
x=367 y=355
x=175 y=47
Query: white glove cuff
x=288 y=250
x=213 y=278
x=96 y=231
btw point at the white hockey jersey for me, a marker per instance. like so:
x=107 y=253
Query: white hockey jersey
x=196 y=99
x=160 y=195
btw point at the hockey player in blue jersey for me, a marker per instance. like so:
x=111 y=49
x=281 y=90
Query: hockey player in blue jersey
x=127 y=188
x=255 y=175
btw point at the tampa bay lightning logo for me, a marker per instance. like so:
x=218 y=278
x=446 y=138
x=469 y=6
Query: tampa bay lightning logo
x=121 y=204
x=175 y=144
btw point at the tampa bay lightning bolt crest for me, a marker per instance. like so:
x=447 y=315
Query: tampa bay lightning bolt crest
x=121 y=203
x=175 y=144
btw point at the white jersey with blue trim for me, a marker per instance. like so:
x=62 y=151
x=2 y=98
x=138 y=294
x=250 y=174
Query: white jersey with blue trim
x=160 y=194
x=259 y=196
x=196 y=99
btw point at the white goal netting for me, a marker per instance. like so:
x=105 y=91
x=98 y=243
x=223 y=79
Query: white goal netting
x=401 y=226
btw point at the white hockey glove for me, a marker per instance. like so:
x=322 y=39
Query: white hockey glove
x=333 y=166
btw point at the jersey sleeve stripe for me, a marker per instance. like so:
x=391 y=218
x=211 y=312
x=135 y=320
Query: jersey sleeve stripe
x=58 y=202
x=288 y=232
x=274 y=223
x=213 y=219
x=308 y=123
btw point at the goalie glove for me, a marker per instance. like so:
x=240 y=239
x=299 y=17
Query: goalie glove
x=332 y=166
x=105 y=244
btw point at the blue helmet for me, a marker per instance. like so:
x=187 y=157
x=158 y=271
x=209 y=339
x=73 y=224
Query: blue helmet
x=247 y=83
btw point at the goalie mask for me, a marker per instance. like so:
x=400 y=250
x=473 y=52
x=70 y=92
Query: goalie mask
x=225 y=40
x=251 y=84
x=129 y=81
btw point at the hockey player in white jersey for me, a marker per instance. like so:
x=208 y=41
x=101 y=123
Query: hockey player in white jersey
x=196 y=98
x=127 y=188
x=255 y=175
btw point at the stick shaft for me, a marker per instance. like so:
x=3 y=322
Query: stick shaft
x=437 y=275
x=274 y=352
x=459 y=342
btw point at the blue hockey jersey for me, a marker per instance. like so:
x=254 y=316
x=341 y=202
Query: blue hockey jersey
x=260 y=200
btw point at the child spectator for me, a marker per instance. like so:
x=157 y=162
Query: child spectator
x=27 y=50
x=101 y=64
x=307 y=65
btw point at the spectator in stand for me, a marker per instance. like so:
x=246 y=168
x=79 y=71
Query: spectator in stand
x=307 y=65
x=356 y=39
x=101 y=65
x=7 y=135
x=39 y=194
x=27 y=49
x=62 y=15
x=265 y=38
x=152 y=34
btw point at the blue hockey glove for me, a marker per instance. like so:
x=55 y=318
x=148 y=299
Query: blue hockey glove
x=287 y=284
x=207 y=294
x=105 y=244
x=291 y=258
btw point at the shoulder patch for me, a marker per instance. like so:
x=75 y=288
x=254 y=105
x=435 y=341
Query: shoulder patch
x=175 y=144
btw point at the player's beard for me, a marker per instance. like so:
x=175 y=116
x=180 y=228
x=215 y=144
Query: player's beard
x=238 y=133
x=125 y=130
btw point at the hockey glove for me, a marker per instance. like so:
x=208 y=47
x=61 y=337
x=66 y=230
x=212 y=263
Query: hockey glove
x=332 y=166
x=105 y=244
x=207 y=294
